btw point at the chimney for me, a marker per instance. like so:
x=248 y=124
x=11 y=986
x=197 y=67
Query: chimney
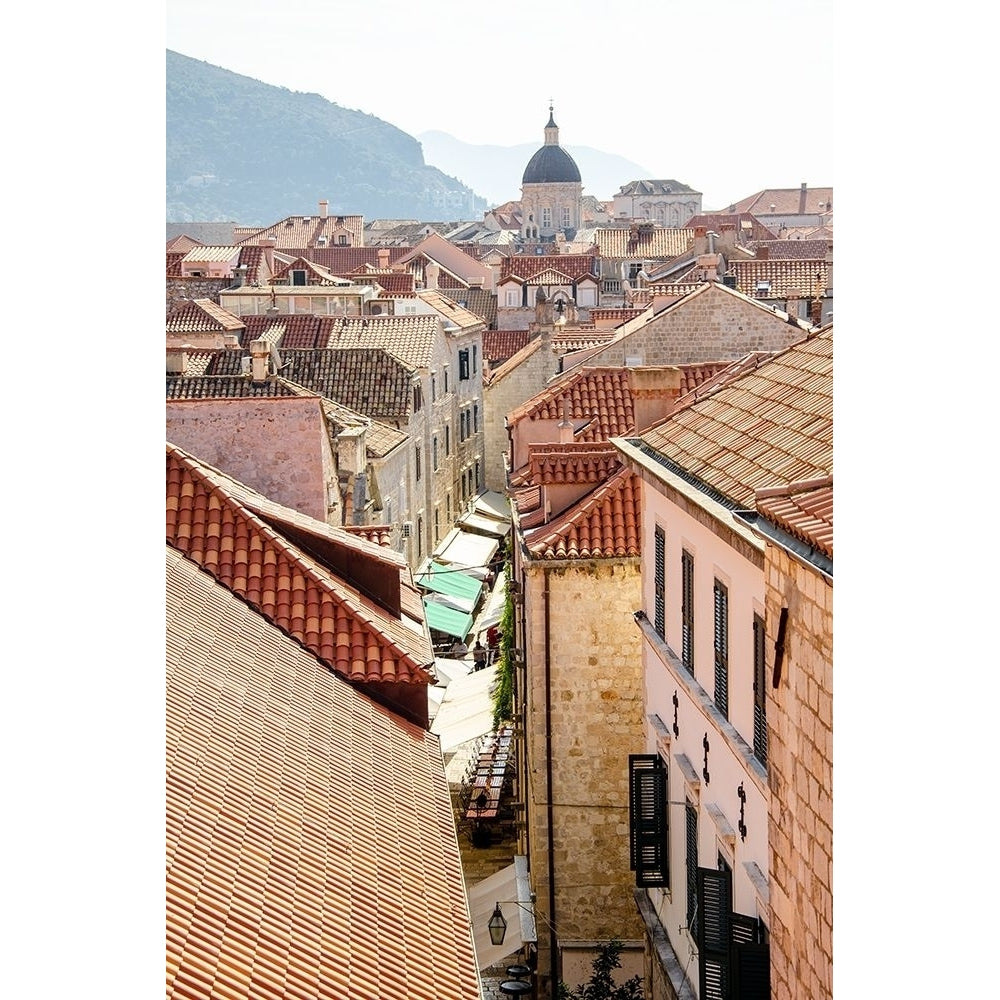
x=763 y=252
x=260 y=351
x=655 y=390
x=829 y=270
x=802 y=199
x=727 y=240
x=383 y=259
x=269 y=243
x=711 y=236
x=431 y=272
x=240 y=273
x=700 y=239
x=324 y=208
x=565 y=426
x=177 y=361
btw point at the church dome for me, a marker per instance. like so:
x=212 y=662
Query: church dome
x=551 y=164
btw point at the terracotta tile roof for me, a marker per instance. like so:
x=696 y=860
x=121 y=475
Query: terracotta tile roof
x=223 y=387
x=310 y=841
x=229 y=362
x=532 y=268
x=181 y=243
x=252 y=257
x=202 y=316
x=804 y=510
x=577 y=462
x=786 y=201
x=198 y=362
x=499 y=345
x=316 y=274
x=514 y=361
x=655 y=242
x=784 y=276
x=477 y=300
x=298 y=330
x=343 y=260
x=606 y=524
x=370 y=381
x=601 y=396
x=208 y=254
x=174 y=258
x=449 y=308
x=409 y=338
x=394 y=282
x=748 y=226
x=226 y=529
x=770 y=427
x=614 y=314
x=797 y=249
x=298 y=232
x=377 y=534
x=577 y=340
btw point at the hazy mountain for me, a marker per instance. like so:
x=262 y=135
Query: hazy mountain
x=495 y=171
x=241 y=150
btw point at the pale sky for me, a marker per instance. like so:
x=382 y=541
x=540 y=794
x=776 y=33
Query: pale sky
x=727 y=96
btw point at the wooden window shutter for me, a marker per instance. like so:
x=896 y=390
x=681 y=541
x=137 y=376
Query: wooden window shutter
x=648 y=820
x=659 y=578
x=687 y=610
x=751 y=969
x=691 y=858
x=759 y=690
x=715 y=907
x=722 y=648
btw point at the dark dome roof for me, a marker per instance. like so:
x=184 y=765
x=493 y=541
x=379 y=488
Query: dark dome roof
x=551 y=165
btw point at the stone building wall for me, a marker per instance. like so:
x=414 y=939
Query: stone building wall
x=596 y=709
x=800 y=773
x=715 y=326
x=195 y=288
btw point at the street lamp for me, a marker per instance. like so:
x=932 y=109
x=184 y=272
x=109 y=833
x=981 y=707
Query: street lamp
x=497 y=926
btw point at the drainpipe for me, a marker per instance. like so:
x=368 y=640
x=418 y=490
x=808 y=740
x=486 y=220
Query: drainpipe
x=553 y=956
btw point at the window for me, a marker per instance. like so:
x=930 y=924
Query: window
x=418 y=398
x=447 y=439
x=659 y=580
x=687 y=610
x=446 y=380
x=691 y=863
x=420 y=536
x=475 y=359
x=416 y=452
x=759 y=692
x=475 y=418
x=463 y=364
x=722 y=648
x=462 y=423
x=447 y=507
x=434 y=451
x=546 y=218
x=434 y=387
x=512 y=297
x=648 y=829
x=342 y=241
x=298 y=277
x=478 y=483
x=437 y=525
x=566 y=220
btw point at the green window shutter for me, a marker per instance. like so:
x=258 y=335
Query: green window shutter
x=722 y=648
x=759 y=690
x=648 y=820
x=659 y=577
x=687 y=610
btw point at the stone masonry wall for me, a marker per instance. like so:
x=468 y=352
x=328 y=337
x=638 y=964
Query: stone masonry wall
x=715 y=326
x=596 y=685
x=800 y=772
x=195 y=288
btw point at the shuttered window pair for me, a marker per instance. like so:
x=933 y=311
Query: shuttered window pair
x=648 y=828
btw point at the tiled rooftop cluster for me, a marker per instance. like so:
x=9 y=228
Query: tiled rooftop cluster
x=783 y=276
x=348 y=632
x=569 y=266
x=804 y=510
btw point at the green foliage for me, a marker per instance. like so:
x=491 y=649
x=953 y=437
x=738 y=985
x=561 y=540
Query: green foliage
x=503 y=693
x=244 y=151
x=602 y=985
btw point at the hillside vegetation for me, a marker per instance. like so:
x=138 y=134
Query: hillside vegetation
x=245 y=151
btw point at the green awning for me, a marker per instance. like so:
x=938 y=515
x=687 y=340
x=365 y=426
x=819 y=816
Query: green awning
x=452 y=582
x=447 y=620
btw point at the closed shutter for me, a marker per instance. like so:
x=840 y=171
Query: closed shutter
x=659 y=578
x=759 y=691
x=751 y=967
x=715 y=905
x=722 y=649
x=691 y=852
x=687 y=610
x=648 y=820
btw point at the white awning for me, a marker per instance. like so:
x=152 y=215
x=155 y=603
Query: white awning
x=466 y=711
x=462 y=548
x=511 y=889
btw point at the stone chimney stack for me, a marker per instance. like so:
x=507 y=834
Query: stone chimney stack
x=324 y=208
x=727 y=239
x=829 y=270
x=177 y=361
x=240 y=273
x=700 y=240
x=383 y=259
x=802 y=199
x=260 y=351
x=763 y=252
x=431 y=273
x=655 y=390
x=269 y=243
